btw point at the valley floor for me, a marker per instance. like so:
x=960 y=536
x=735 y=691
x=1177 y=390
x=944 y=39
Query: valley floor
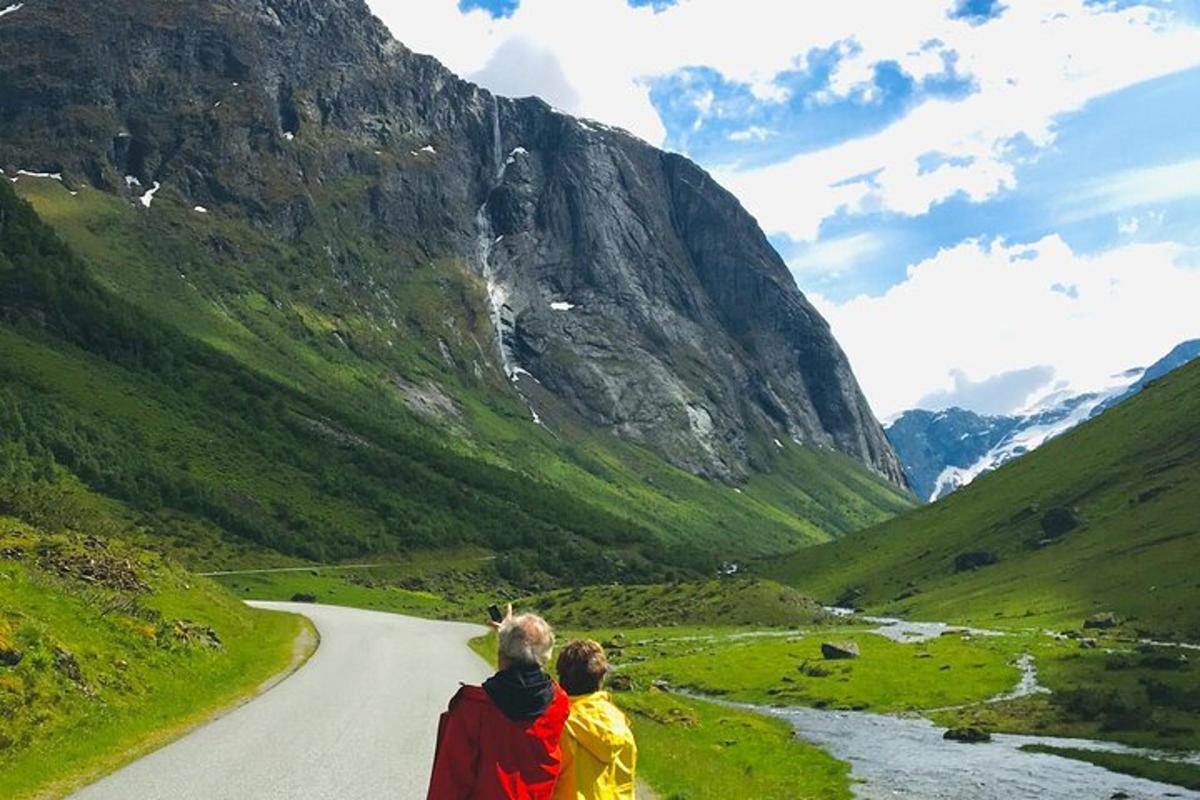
x=698 y=689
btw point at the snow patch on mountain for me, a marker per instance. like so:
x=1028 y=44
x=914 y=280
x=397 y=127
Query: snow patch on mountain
x=946 y=449
x=1031 y=432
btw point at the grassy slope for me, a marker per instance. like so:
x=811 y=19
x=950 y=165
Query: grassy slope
x=887 y=677
x=1133 y=474
x=438 y=584
x=713 y=602
x=130 y=681
x=267 y=307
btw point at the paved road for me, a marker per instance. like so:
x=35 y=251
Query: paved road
x=357 y=722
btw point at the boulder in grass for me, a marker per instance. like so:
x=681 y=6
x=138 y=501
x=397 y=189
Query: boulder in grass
x=1101 y=621
x=619 y=683
x=968 y=562
x=1060 y=521
x=10 y=656
x=834 y=651
x=304 y=597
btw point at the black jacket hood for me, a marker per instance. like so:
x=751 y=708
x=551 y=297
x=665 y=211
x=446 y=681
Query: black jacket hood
x=521 y=692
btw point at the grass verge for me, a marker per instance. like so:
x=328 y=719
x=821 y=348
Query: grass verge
x=1173 y=772
x=109 y=652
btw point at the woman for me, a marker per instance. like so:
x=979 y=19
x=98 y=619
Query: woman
x=599 y=754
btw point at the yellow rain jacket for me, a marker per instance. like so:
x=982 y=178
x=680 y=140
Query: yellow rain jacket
x=599 y=755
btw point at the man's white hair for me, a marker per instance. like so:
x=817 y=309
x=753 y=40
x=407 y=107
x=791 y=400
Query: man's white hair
x=526 y=639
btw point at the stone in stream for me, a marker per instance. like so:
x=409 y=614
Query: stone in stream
x=969 y=734
x=839 y=650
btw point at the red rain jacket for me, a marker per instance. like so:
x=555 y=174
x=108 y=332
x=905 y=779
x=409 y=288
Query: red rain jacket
x=484 y=755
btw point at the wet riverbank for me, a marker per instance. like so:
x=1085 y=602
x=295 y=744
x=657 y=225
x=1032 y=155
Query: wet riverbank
x=896 y=756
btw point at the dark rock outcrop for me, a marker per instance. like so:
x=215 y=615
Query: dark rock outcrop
x=622 y=278
x=9 y=655
x=967 y=562
x=1102 y=621
x=839 y=650
x=1060 y=521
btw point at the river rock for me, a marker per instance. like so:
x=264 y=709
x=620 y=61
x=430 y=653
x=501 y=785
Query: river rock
x=969 y=734
x=850 y=597
x=839 y=650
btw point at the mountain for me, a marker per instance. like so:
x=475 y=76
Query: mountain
x=1101 y=519
x=942 y=451
x=1180 y=354
x=622 y=279
x=307 y=291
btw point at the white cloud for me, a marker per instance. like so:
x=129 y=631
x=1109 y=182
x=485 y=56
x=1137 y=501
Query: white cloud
x=833 y=257
x=998 y=394
x=977 y=311
x=1132 y=188
x=754 y=133
x=1065 y=60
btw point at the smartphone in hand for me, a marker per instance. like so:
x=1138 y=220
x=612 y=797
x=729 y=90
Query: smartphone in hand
x=494 y=613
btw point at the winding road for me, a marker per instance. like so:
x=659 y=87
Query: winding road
x=357 y=722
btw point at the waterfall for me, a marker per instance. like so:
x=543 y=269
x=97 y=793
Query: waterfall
x=497 y=158
x=497 y=292
x=497 y=295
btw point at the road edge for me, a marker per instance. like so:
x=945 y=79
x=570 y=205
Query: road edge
x=304 y=646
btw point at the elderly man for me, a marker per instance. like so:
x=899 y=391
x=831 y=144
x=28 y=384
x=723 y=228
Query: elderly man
x=500 y=741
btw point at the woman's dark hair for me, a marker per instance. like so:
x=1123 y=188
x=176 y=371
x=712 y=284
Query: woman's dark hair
x=581 y=667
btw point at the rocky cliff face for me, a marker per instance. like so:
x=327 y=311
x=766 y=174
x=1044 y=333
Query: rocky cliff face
x=622 y=279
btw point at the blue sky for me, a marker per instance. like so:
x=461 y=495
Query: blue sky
x=1143 y=126
x=973 y=193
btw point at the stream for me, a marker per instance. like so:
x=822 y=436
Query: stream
x=907 y=757
x=895 y=756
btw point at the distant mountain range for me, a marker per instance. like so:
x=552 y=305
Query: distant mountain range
x=944 y=450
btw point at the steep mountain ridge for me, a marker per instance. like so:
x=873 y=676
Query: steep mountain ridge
x=620 y=281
